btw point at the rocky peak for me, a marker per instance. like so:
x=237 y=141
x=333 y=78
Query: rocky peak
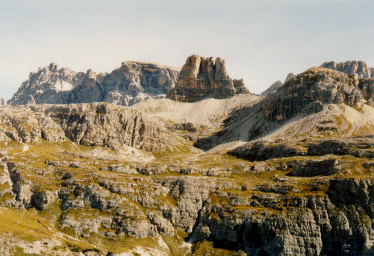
x=351 y=67
x=289 y=77
x=54 y=67
x=201 y=77
x=274 y=87
x=127 y=85
x=310 y=90
x=90 y=74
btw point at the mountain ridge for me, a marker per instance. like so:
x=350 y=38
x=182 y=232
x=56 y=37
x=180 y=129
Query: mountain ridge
x=286 y=174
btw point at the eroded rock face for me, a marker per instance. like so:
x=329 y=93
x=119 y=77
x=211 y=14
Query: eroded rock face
x=314 y=85
x=201 y=77
x=2 y=102
x=127 y=85
x=351 y=67
x=86 y=124
x=338 y=223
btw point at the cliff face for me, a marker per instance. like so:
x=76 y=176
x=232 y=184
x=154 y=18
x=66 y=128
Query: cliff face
x=315 y=86
x=99 y=124
x=201 y=77
x=127 y=85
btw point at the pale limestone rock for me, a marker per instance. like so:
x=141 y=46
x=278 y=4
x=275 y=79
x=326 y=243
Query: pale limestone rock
x=351 y=67
x=55 y=85
x=87 y=124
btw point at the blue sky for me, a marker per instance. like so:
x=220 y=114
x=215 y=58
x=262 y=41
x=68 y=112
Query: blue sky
x=261 y=41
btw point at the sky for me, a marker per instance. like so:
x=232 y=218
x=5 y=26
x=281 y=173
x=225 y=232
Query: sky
x=261 y=41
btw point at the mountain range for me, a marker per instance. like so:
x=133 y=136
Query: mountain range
x=202 y=167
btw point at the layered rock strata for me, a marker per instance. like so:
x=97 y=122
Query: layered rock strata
x=202 y=77
x=310 y=90
x=127 y=85
x=85 y=124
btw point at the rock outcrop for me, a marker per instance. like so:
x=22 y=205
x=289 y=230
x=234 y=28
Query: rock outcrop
x=309 y=90
x=127 y=85
x=289 y=77
x=202 y=77
x=86 y=124
x=351 y=67
x=338 y=223
x=2 y=102
x=272 y=88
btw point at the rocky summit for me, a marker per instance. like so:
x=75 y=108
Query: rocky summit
x=282 y=175
x=201 y=77
x=127 y=85
x=351 y=67
x=274 y=87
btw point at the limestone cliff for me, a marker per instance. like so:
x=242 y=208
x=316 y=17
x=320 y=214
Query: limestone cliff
x=86 y=124
x=127 y=85
x=201 y=77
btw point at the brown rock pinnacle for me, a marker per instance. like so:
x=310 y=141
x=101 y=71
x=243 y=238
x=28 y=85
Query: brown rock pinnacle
x=201 y=77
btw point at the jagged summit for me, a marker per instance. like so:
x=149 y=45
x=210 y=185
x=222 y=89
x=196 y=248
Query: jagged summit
x=201 y=77
x=127 y=85
x=351 y=67
x=317 y=84
x=274 y=87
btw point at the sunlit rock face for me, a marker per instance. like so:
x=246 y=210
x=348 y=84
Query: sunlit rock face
x=312 y=89
x=131 y=83
x=201 y=77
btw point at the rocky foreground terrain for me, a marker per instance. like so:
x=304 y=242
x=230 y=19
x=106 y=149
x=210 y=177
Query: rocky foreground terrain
x=286 y=174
